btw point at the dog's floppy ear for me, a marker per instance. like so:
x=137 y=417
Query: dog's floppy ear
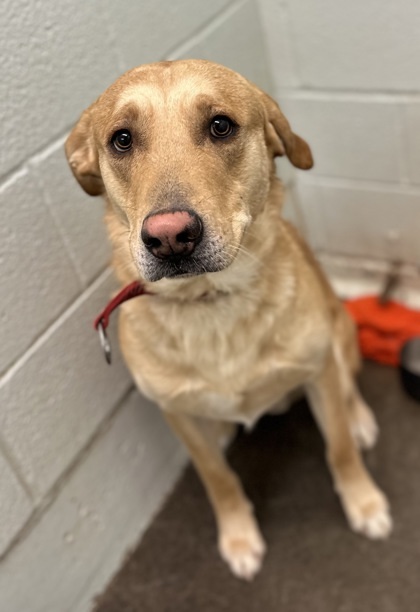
x=83 y=157
x=281 y=139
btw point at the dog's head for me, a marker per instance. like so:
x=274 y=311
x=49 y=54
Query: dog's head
x=184 y=153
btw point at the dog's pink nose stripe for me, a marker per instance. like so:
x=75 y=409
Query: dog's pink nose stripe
x=167 y=225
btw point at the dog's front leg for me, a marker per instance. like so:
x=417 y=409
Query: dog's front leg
x=365 y=505
x=240 y=542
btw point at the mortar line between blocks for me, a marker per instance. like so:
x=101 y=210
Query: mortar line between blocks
x=205 y=29
x=14 y=173
x=348 y=95
x=292 y=42
x=165 y=474
x=15 y=467
x=267 y=55
x=403 y=146
x=51 y=329
x=55 y=490
x=59 y=228
x=359 y=184
x=119 y=55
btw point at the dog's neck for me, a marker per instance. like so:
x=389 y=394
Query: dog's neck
x=242 y=273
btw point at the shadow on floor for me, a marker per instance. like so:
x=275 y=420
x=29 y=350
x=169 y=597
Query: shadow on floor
x=314 y=563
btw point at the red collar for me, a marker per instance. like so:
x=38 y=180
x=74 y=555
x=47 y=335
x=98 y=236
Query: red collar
x=102 y=321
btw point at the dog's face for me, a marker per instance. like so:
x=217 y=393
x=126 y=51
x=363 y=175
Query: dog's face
x=184 y=153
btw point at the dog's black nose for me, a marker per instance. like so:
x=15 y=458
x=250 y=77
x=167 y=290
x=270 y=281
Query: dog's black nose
x=172 y=235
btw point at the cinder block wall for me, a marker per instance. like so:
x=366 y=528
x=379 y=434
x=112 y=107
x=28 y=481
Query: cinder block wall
x=348 y=77
x=84 y=461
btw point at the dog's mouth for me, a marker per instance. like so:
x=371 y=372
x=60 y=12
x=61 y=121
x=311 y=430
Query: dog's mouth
x=209 y=256
x=182 y=267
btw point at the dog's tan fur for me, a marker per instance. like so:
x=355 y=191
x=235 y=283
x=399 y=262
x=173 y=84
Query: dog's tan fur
x=225 y=346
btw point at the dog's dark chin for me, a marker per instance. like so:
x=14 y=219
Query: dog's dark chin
x=185 y=268
x=209 y=256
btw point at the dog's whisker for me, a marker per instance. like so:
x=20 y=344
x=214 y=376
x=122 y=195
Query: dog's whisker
x=236 y=249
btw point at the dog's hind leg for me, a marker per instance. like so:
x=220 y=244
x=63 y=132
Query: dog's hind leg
x=364 y=504
x=240 y=542
x=363 y=426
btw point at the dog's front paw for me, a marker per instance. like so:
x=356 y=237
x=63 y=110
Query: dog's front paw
x=369 y=514
x=243 y=548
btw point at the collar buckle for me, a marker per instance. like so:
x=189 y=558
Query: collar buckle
x=132 y=290
x=105 y=343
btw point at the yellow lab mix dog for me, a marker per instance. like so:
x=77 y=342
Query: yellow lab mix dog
x=240 y=314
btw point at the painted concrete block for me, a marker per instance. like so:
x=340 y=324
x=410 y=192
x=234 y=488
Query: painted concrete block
x=37 y=278
x=310 y=203
x=357 y=45
x=56 y=59
x=237 y=42
x=411 y=114
x=348 y=138
x=361 y=221
x=279 y=42
x=52 y=404
x=15 y=506
x=292 y=210
x=146 y=31
x=103 y=509
x=78 y=216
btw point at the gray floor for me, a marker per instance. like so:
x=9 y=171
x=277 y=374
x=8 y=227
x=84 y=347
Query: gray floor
x=314 y=562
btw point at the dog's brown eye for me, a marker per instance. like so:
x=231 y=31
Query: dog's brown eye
x=122 y=141
x=221 y=127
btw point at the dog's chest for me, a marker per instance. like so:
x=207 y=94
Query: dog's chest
x=234 y=365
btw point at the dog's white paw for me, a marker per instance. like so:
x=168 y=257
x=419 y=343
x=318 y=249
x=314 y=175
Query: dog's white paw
x=364 y=428
x=243 y=550
x=369 y=515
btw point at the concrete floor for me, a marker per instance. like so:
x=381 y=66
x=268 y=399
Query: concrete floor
x=314 y=561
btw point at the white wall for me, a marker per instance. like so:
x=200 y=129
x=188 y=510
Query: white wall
x=347 y=75
x=84 y=461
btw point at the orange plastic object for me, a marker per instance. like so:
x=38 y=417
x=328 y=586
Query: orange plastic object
x=383 y=329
